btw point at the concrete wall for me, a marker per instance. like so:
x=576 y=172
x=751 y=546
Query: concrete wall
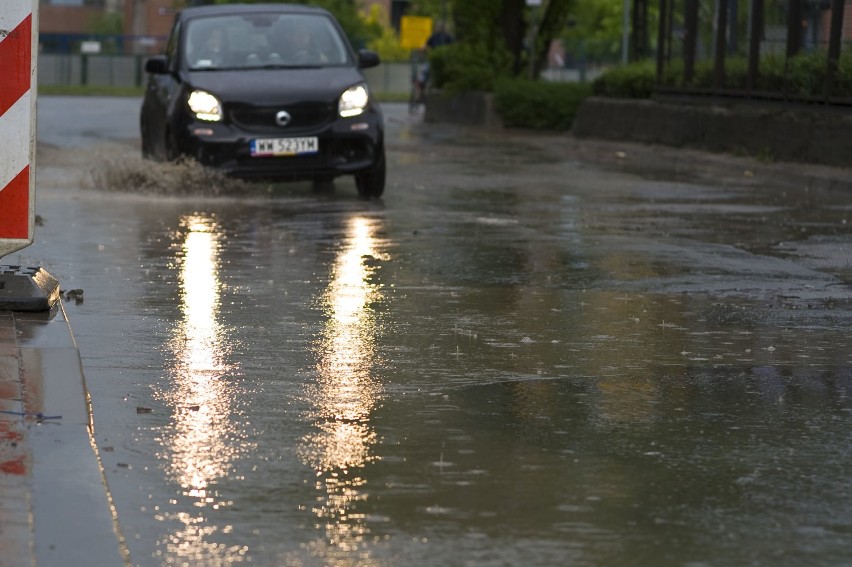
x=470 y=108
x=807 y=134
x=803 y=134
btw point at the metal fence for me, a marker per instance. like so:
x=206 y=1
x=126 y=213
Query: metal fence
x=795 y=50
x=104 y=70
x=94 y=70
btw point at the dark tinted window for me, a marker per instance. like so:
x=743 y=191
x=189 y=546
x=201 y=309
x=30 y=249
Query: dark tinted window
x=171 y=44
x=259 y=40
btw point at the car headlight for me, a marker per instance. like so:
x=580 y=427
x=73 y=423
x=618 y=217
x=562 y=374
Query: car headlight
x=205 y=106
x=354 y=101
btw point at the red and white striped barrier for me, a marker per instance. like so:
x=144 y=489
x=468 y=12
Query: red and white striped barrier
x=18 y=49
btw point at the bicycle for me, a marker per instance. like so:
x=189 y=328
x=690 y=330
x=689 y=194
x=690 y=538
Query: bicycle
x=419 y=79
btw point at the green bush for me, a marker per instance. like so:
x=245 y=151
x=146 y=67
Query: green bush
x=806 y=74
x=635 y=80
x=843 y=77
x=771 y=76
x=803 y=75
x=538 y=105
x=463 y=67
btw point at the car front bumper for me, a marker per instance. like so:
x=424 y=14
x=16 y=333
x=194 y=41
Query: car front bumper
x=346 y=146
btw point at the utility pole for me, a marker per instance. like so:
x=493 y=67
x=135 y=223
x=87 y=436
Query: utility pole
x=535 y=6
x=625 y=33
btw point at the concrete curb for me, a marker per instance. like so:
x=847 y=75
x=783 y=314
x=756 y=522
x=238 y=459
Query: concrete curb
x=469 y=108
x=772 y=132
x=67 y=509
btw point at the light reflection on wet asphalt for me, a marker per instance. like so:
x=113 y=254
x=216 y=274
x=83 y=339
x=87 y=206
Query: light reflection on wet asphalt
x=536 y=364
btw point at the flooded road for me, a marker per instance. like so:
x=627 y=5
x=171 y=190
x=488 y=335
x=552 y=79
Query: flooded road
x=527 y=353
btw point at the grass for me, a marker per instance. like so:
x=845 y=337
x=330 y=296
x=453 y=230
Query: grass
x=89 y=90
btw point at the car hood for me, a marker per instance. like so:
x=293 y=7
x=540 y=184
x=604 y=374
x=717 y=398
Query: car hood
x=275 y=86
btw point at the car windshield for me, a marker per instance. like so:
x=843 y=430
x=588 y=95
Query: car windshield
x=261 y=40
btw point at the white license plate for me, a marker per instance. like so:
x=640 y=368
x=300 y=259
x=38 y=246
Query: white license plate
x=284 y=146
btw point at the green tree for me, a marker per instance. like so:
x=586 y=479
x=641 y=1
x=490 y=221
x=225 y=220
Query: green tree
x=597 y=29
x=360 y=31
x=106 y=24
x=498 y=31
x=553 y=22
x=386 y=44
x=438 y=10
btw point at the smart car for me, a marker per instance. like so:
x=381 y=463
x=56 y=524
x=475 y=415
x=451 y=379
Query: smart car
x=271 y=91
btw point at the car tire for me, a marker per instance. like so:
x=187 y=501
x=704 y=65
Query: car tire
x=172 y=152
x=145 y=142
x=371 y=183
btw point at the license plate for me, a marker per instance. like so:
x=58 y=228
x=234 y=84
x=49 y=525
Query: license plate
x=284 y=146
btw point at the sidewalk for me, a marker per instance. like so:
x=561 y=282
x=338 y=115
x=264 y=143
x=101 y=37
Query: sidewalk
x=55 y=508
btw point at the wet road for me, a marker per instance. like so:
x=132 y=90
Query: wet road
x=517 y=357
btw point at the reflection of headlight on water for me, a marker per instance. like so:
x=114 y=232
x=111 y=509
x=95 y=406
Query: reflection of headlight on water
x=345 y=391
x=203 y=440
x=345 y=395
x=199 y=347
x=339 y=445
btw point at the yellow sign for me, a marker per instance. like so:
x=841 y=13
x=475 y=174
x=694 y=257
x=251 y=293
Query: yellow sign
x=414 y=31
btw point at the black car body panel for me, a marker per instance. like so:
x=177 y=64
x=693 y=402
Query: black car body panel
x=258 y=95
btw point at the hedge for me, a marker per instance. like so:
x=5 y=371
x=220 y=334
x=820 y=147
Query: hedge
x=538 y=105
x=803 y=75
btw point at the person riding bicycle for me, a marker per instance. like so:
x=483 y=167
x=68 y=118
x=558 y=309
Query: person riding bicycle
x=420 y=64
x=438 y=38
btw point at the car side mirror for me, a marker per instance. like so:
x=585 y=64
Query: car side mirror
x=367 y=58
x=157 y=65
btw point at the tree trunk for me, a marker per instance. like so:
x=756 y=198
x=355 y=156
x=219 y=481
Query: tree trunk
x=552 y=23
x=514 y=29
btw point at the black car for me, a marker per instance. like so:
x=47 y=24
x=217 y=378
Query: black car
x=269 y=91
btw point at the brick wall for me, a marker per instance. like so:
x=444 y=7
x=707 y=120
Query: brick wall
x=66 y=19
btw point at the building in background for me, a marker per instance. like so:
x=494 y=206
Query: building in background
x=149 y=22
x=61 y=22
x=65 y=24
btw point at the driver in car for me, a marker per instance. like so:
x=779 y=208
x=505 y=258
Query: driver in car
x=296 y=46
x=213 y=49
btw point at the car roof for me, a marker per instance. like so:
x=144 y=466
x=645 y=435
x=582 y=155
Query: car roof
x=222 y=9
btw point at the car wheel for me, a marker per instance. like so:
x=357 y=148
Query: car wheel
x=146 y=142
x=172 y=152
x=371 y=183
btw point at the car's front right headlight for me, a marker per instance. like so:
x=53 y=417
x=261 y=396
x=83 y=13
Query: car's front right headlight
x=354 y=101
x=205 y=106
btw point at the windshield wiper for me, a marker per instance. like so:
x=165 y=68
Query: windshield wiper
x=285 y=66
x=214 y=68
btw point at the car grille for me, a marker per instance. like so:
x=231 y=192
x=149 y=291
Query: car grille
x=304 y=116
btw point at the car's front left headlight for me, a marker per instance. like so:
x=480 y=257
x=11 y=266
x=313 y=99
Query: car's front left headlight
x=205 y=106
x=354 y=101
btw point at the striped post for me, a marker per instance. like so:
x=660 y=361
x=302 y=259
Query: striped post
x=21 y=288
x=18 y=49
